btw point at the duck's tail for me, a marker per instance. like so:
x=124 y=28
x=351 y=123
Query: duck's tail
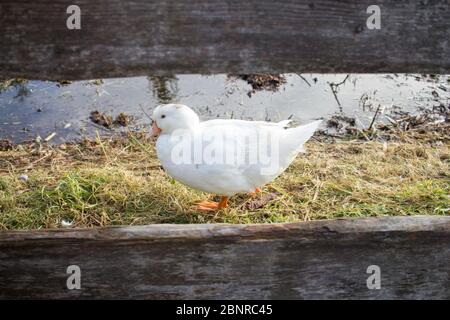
x=285 y=123
x=299 y=135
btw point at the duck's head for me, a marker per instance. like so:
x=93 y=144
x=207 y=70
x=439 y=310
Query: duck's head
x=169 y=117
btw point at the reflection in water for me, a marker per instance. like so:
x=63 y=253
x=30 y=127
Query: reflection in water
x=164 y=88
x=22 y=92
x=20 y=86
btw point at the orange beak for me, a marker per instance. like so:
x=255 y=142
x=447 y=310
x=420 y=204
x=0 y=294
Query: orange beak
x=155 y=130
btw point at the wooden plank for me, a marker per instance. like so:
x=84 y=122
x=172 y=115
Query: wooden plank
x=139 y=37
x=320 y=259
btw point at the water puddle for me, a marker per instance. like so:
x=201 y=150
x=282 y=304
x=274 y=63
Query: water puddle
x=62 y=111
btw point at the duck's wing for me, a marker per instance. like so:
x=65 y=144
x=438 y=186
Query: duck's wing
x=292 y=138
x=253 y=148
x=288 y=141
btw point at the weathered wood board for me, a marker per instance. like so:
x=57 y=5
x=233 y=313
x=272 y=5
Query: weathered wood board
x=321 y=259
x=139 y=37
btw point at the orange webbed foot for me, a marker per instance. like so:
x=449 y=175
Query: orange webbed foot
x=213 y=206
x=208 y=206
x=257 y=190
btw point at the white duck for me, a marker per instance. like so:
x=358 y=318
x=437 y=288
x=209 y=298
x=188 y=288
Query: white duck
x=224 y=157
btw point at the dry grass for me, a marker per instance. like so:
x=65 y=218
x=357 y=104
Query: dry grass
x=120 y=182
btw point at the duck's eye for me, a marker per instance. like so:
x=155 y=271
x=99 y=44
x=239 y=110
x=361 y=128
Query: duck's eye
x=163 y=116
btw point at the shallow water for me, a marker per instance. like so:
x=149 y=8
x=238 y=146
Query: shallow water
x=39 y=108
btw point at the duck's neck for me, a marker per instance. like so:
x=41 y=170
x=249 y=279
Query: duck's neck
x=189 y=129
x=192 y=126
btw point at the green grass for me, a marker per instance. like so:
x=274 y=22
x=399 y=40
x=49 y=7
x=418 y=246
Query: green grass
x=119 y=182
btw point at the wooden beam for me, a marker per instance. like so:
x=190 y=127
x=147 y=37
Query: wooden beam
x=320 y=259
x=139 y=37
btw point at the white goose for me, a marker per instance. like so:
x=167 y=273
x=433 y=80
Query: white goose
x=224 y=157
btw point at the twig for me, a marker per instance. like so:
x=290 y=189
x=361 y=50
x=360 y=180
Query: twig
x=374 y=117
x=392 y=121
x=50 y=137
x=36 y=161
x=142 y=109
x=342 y=82
x=335 y=86
x=303 y=78
x=335 y=96
x=363 y=100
